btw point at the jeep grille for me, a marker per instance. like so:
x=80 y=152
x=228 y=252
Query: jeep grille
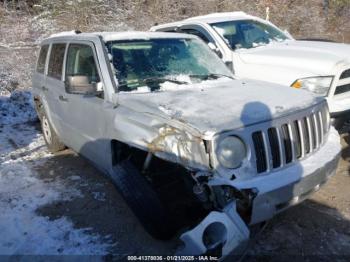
x=290 y=141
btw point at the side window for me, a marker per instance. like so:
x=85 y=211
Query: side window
x=81 y=69
x=40 y=67
x=197 y=33
x=56 y=61
x=204 y=38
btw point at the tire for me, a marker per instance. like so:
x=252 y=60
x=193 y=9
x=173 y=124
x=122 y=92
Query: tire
x=143 y=200
x=39 y=108
x=51 y=138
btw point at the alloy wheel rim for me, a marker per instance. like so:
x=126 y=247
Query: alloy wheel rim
x=47 y=130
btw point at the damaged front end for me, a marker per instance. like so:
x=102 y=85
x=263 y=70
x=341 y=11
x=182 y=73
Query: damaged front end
x=239 y=203
x=224 y=229
x=239 y=177
x=175 y=150
x=178 y=146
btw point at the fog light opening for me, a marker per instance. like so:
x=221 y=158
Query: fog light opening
x=215 y=237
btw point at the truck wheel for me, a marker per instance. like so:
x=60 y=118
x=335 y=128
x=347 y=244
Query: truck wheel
x=51 y=138
x=38 y=108
x=143 y=200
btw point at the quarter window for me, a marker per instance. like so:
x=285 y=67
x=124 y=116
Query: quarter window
x=56 y=61
x=81 y=62
x=40 y=67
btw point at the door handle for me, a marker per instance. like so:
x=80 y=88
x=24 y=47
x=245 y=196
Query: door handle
x=62 y=98
x=44 y=88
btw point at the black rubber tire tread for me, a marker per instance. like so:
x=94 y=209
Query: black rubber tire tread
x=39 y=109
x=56 y=145
x=143 y=200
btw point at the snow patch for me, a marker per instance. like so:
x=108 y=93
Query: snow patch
x=66 y=33
x=74 y=178
x=169 y=111
x=140 y=89
x=99 y=196
x=17 y=108
x=23 y=231
x=210 y=83
x=22 y=192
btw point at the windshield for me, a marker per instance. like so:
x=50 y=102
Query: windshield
x=248 y=33
x=147 y=64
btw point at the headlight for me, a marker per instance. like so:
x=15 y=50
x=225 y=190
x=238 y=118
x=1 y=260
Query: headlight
x=231 y=151
x=318 y=85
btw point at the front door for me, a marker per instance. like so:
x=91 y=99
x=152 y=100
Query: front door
x=84 y=113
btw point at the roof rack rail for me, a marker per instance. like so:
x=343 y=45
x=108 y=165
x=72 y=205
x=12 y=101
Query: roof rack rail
x=66 y=33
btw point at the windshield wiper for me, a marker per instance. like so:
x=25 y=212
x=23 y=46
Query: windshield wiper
x=210 y=76
x=124 y=86
x=162 y=79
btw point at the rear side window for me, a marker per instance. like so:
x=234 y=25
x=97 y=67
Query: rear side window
x=56 y=61
x=40 y=67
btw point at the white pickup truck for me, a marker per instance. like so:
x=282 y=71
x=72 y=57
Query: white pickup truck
x=255 y=48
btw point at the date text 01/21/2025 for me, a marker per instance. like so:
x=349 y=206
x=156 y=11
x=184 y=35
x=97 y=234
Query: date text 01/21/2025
x=172 y=258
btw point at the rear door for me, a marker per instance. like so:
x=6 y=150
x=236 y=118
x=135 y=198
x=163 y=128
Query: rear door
x=54 y=87
x=39 y=76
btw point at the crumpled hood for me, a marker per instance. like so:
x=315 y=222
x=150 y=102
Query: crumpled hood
x=317 y=58
x=221 y=104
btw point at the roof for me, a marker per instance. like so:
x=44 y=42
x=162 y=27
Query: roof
x=112 y=36
x=210 y=18
x=220 y=17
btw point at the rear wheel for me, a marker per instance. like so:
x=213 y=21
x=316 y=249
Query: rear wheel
x=51 y=138
x=143 y=200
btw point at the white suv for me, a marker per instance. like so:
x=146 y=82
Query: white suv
x=254 y=48
x=186 y=144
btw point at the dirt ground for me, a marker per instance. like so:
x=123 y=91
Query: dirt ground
x=318 y=227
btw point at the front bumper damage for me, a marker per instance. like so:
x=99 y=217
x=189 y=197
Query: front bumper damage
x=222 y=232
x=274 y=193
x=267 y=204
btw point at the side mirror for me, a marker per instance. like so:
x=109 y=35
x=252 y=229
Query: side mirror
x=80 y=84
x=215 y=49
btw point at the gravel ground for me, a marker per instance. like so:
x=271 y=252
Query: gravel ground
x=317 y=228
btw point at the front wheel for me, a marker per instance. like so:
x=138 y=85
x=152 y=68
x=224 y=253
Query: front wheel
x=143 y=200
x=51 y=138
